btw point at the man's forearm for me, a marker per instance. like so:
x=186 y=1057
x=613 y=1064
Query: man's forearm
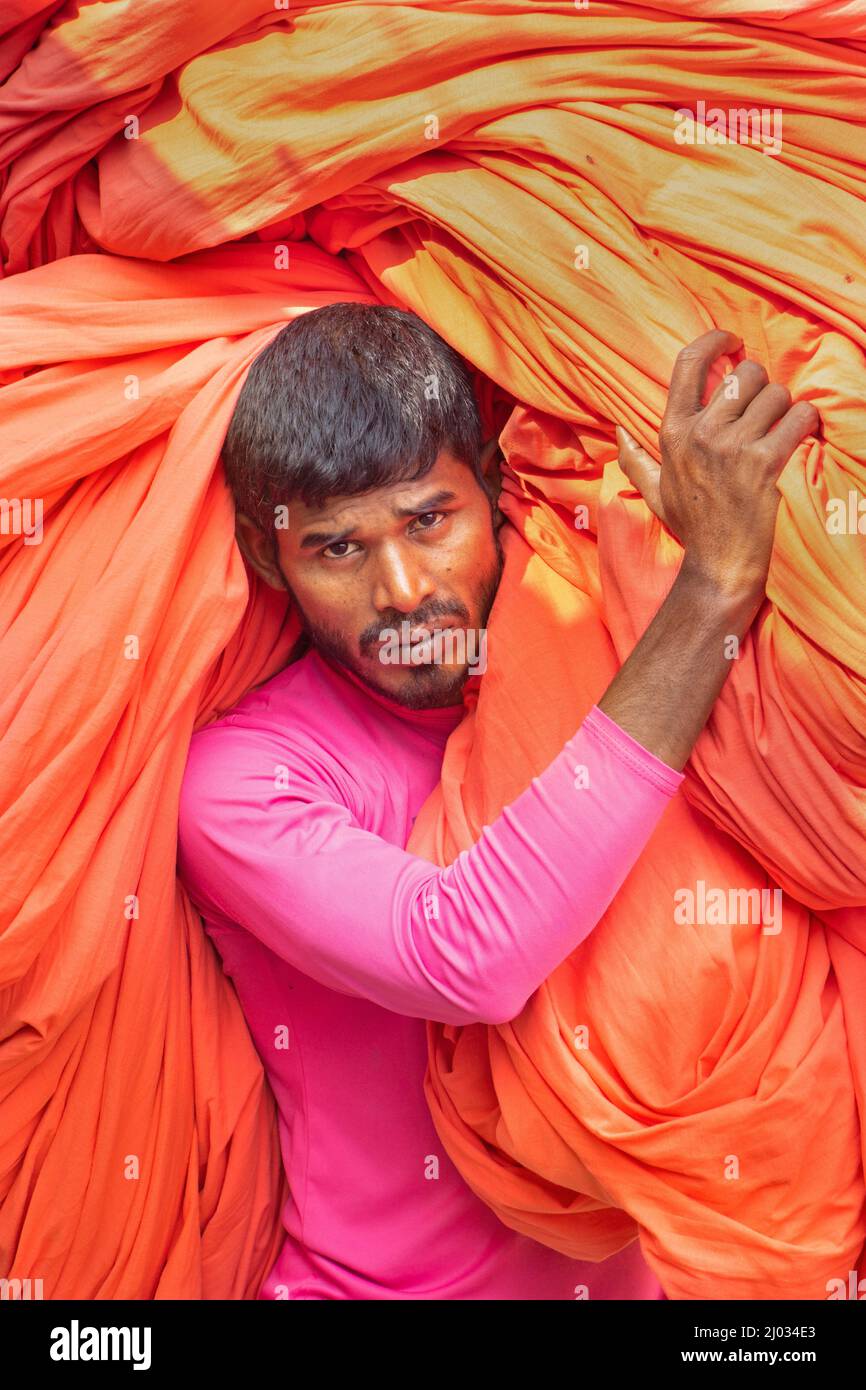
x=665 y=691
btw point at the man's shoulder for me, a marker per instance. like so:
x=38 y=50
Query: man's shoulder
x=285 y=732
x=296 y=691
x=298 y=704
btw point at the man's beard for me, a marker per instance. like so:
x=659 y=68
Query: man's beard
x=428 y=685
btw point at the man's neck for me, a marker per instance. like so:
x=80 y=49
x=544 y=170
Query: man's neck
x=431 y=715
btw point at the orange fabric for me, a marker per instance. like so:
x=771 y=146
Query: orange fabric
x=138 y=1148
x=532 y=204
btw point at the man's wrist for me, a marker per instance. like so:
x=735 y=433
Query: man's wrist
x=733 y=599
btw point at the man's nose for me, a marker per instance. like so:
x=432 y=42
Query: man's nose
x=402 y=581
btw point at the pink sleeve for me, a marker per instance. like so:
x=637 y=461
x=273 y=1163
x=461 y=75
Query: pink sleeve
x=469 y=943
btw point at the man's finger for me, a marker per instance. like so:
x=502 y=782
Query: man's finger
x=737 y=391
x=801 y=420
x=768 y=406
x=641 y=470
x=692 y=367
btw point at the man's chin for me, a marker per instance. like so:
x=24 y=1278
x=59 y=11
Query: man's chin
x=427 y=685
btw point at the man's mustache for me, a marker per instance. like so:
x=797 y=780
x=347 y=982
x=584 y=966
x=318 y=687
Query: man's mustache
x=373 y=636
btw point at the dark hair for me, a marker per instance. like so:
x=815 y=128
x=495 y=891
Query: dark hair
x=345 y=399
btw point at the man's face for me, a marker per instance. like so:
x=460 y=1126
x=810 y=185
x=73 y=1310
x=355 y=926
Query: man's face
x=372 y=576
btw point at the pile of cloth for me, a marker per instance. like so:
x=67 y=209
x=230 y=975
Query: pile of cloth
x=568 y=194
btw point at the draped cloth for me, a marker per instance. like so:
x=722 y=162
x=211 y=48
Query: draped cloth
x=176 y=189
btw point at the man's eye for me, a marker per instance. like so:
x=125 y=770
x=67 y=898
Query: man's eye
x=333 y=547
x=335 y=544
x=423 y=514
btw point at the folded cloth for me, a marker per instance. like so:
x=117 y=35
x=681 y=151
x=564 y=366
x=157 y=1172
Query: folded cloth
x=138 y=1146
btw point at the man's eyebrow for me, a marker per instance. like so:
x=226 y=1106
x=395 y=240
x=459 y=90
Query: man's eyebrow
x=436 y=499
x=428 y=505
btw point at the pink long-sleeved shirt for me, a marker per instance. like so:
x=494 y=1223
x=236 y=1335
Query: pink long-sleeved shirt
x=295 y=810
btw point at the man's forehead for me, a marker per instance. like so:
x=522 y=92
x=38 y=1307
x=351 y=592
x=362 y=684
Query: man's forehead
x=406 y=495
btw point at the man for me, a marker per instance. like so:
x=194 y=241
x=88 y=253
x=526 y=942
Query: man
x=297 y=805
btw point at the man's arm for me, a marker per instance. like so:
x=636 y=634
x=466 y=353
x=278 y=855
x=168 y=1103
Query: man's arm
x=665 y=691
x=465 y=944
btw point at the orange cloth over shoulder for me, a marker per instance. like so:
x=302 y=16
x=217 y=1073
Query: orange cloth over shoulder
x=545 y=204
x=138 y=1145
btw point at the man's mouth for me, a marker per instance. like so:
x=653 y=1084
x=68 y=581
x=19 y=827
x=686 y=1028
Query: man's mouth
x=417 y=644
x=424 y=631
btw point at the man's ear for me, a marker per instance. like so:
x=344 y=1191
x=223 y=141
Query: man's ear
x=259 y=550
x=490 y=462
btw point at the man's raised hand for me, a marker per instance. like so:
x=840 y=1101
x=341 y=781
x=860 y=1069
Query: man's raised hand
x=716 y=486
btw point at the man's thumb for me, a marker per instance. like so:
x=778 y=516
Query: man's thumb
x=641 y=470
